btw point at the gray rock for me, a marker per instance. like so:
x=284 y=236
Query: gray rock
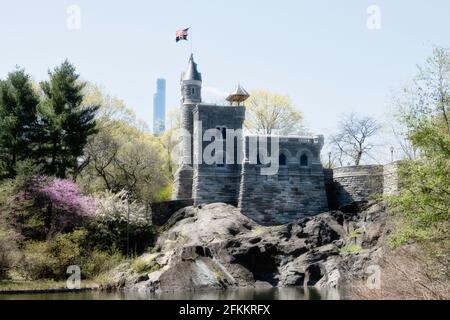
x=215 y=246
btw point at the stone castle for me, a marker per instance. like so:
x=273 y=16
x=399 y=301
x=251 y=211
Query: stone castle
x=301 y=186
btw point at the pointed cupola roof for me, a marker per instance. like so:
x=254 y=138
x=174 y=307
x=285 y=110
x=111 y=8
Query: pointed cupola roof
x=192 y=72
x=238 y=96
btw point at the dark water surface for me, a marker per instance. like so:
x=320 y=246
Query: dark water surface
x=235 y=294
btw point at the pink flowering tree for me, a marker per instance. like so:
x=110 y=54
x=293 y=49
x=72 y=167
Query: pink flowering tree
x=66 y=196
x=53 y=205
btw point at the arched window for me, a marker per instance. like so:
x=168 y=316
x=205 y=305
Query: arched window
x=192 y=91
x=304 y=160
x=282 y=161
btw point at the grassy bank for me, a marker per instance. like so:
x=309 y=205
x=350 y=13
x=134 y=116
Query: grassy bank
x=42 y=286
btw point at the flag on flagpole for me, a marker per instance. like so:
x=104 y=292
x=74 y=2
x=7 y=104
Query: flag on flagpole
x=181 y=34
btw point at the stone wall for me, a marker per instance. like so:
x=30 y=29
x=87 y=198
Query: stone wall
x=162 y=211
x=211 y=182
x=330 y=189
x=391 y=179
x=294 y=192
x=216 y=187
x=182 y=186
x=357 y=183
x=360 y=183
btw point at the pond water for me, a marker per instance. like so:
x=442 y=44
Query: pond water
x=300 y=293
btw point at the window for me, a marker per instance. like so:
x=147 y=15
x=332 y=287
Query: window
x=192 y=91
x=282 y=161
x=304 y=160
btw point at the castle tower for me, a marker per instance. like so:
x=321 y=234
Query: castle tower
x=191 y=84
x=191 y=95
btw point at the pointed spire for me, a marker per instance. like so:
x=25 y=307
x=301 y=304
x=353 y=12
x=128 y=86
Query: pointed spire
x=241 y=91
x=192 y=72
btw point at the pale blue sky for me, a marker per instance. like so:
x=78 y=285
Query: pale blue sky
x=319 y=52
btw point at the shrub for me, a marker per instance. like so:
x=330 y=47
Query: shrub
x=68 y=249
x=50 y=259
x=145 y=264
x=165 y=193
x=407 y=273
x=99 y=262
x=422 y=207
x=109 y=229
x=48 y=206
x=9 y=253
x=351 y=249
x=6 y=191
x=3 y=167
x=37 y=262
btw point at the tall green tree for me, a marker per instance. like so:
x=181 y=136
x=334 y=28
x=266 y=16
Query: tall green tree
x=424 y=200
x=66 y=123
x=18 y=119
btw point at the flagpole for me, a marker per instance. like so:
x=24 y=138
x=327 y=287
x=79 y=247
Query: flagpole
x=191 y=41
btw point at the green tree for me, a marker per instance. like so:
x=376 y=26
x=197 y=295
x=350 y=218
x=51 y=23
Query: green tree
x=122 y=156
x=66 y=122
x=169 y=139
x=272 y=113
x=424 y=198
x=18 y=118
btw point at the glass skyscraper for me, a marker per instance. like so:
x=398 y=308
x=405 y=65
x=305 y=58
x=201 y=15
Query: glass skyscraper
x=159 y=107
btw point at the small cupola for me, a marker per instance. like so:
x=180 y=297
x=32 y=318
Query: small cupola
x=238 y=96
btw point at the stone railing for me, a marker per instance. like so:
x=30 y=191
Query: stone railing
x=391 y=178
x=360 y=183
x=357 y=183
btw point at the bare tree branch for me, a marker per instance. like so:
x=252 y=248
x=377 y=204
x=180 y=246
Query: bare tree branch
x=354 y=137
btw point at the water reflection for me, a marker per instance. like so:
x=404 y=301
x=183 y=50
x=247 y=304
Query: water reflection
x=299 y=293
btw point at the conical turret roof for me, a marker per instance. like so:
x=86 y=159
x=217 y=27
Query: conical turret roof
x=192 y=72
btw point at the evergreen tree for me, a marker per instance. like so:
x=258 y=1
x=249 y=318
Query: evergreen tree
x=18 y=118
x=65 y=122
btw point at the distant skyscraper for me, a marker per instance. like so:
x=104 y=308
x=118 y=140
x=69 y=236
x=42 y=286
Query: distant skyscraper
x=159 y=107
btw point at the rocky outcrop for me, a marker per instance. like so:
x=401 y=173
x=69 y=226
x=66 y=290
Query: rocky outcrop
x=215 y=246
